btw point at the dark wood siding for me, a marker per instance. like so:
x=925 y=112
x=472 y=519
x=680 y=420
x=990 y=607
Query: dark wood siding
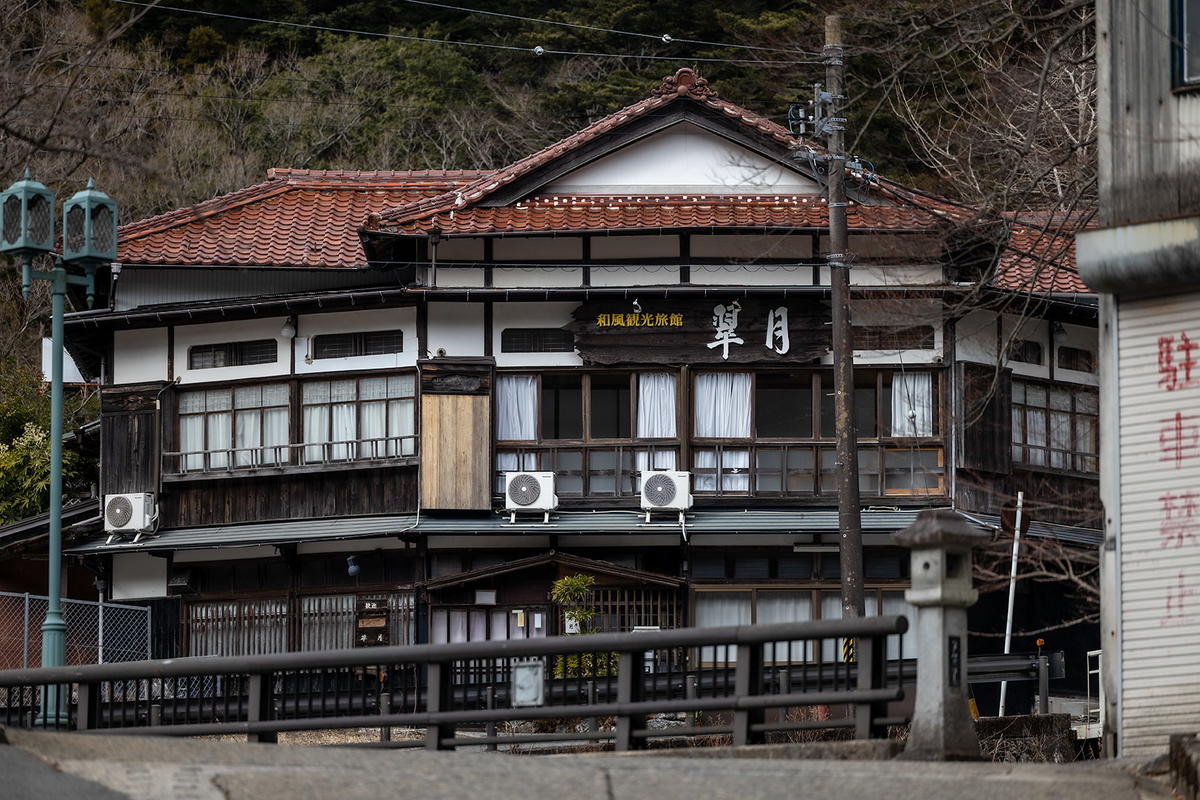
x=128 y=447
x=293 y=496
x=983 y=419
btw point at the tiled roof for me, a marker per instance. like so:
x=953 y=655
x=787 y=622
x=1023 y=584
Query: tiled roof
x=296 y=218
x=544 y=214
x=684 y=84
x=1039 y=256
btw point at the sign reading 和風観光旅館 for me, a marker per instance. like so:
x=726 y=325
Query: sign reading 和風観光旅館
x=717 y=330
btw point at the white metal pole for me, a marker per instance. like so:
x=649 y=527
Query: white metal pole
x=1012 y=594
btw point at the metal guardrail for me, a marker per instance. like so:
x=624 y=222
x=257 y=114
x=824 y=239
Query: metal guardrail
x=748 y=672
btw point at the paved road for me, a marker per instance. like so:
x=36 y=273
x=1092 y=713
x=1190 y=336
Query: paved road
x=50 y=766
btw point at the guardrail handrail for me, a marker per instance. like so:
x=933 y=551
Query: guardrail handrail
x=460 y=651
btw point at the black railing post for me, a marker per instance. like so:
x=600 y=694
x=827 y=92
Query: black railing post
x=869 y=652
x=489 y=695
x=1043 y=684
x=85 y=709
x=747 y=681
x=437 y=700
x=261 y=707
x=385 y=708
x=630 y=687
x=593 y=723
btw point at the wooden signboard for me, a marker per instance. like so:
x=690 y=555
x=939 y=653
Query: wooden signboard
x=371 y=623
x=720 y=330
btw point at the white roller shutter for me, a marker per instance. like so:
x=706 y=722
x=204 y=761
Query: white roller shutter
x=1159 y=385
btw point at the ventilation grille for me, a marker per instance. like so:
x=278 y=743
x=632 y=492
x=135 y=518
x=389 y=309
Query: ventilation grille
x=524 y=489
x=660 y=490
x=119 y=511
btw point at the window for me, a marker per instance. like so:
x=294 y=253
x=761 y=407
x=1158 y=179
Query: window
x=1056 y=426
x=536 y=340
x=245 y=426
x=367 y=343
x=363 y=418
x=1186 y=42
x=1025 y=351
x=233 y=354
x=1076 y=359
x=891 y=337
x=772 y=433
x=585 y=428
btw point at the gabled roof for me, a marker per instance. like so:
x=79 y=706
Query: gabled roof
x=1039 y=255
x=566 y=560
x=296 y=218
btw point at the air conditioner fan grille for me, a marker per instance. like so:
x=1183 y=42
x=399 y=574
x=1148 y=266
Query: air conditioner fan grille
x=660 y=490
x=524 y=489
x=119 y=512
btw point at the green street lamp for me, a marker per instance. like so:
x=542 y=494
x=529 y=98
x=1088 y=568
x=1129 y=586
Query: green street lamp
x=89 y=240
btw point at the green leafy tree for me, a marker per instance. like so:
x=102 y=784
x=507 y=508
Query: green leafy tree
x=25 y=474
x=571 y=592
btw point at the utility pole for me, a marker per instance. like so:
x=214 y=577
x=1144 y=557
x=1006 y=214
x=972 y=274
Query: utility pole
x=838 y=258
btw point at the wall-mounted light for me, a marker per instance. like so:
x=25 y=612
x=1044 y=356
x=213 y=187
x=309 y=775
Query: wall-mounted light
x=352 y=567
x=1058 y=332
x=288 y=331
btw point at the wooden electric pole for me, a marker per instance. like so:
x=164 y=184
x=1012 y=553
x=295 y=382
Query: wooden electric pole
x=849 y=518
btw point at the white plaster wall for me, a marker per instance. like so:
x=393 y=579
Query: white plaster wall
x=224 y=554
x=232 y=331
x=889 y=275
x=70 y=373
x=635 y=275
x=383 y=319
x=750 y=248
x=632 y=247
x=532 y=315
x=538 y=248
x=139 y=355
x=1084 y=338
x=138 y=575
x=1037 y=330
x=459 y=277
x=514 y=277
x=900 y=311
x=456 y=328
x=975 y=333
x=751 y=275
x=683 y=159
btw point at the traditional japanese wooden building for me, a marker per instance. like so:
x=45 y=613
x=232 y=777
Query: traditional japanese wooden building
x=439 y=391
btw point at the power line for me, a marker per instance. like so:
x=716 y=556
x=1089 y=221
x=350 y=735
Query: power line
x=536 y=51
x=665 y=38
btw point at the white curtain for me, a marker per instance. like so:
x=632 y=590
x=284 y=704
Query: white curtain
x=247 y=437
x=191 y=441
x=894 y=603
x=401 y=427
x=715 y=609
x=912 y=404
x=516 y=418
x=374 y=429
x=785 y=607
x=722 y=410
x=219 y=440
x=656 y=417
x=831 y=608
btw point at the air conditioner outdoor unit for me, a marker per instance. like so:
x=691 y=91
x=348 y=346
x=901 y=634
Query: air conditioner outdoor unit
x=529 y=491
x=666 y=491
x=129 y=514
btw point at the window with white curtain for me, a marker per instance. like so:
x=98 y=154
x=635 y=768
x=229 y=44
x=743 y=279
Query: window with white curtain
x=1056 y=426
x=721 y=402
x=222 y=429
x=358 y=418
x=582 y=426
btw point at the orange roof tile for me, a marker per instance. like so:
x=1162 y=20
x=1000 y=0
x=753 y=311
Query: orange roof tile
x=296 y=218
x=544 y=214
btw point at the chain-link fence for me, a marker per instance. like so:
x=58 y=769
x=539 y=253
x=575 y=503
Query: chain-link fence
x=97 y=633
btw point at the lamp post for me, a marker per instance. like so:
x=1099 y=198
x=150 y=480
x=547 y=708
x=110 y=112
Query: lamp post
x=89 y=240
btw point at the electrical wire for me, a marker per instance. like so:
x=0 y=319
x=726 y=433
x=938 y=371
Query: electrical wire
x=665 y=38
x=536 y=51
